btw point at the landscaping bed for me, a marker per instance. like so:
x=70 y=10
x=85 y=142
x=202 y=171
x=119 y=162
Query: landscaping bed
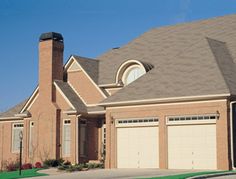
x=11 y=169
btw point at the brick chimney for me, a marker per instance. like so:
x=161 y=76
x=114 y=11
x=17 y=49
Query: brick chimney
x=51 y=49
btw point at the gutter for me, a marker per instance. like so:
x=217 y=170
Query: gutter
x=231 y=133
x=165 y=100
x=77 y=137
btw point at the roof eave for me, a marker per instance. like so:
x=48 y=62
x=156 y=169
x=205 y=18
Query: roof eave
x=97 y=112
x=11 y=118
x=23 y=115
x=74 y=112
x=166 y=100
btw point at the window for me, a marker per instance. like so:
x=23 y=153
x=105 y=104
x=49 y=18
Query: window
x=31 y=139
x=66 y=138
x=151 y=120
x=132 y=73
x=131 y=70
x=194 y=117
x=16 y=130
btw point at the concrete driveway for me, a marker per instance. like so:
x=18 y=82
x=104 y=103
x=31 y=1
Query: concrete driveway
x=226 y=177
x=114 y=174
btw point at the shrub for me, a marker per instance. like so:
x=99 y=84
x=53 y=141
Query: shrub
x=78 y=167
x=67 y=163
x=61 y=167
x=52 y=162
x=93 y=165
x=38 y=165
x=71 y=168
x=26 y=166
x=90 y=165
x=61 y=161
x=85 y=165
x=101 y=165
x=12 y=166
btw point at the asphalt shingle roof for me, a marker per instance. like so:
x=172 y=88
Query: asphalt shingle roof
x=71 y=96
x=14 y=110
x=186 y=58
x=89 y=65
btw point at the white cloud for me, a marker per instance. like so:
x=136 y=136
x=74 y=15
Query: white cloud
x=183 y=11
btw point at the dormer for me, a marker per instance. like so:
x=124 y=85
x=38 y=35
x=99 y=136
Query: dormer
x=131 y=70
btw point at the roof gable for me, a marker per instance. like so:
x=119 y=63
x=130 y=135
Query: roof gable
x=89 y=65
x=74 y=67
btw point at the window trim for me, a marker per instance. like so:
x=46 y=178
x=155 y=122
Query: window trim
x=12 y=133
x=126 y=65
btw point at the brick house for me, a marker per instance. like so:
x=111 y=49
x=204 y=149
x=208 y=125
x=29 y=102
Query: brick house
x=165 y=100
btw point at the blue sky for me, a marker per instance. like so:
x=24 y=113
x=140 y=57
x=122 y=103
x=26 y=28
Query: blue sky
x=89 y=28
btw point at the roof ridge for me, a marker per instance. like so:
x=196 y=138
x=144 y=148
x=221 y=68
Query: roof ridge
x=216 y=57
x=82 y=57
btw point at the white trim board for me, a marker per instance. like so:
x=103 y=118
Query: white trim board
x=176 y=99
x=125 y=65
x=67 y=100
x=166 y=104
x=31 y=100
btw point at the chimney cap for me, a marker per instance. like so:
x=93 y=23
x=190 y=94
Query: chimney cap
x=51 y=36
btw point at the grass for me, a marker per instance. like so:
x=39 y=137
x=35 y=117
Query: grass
x=186 y=175
x=24 y=174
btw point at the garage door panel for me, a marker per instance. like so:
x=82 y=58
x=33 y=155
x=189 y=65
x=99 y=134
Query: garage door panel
x=139 y=149
x=194 y=144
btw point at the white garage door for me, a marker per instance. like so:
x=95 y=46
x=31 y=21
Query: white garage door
x=137 y=144
x=192 y=146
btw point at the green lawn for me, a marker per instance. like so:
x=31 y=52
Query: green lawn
x=24 y=174
x=186 y=175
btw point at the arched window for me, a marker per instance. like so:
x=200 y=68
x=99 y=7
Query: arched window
x=132 y=73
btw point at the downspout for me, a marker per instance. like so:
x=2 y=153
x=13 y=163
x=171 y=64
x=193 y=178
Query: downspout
x=231 y=132
x=77 y=147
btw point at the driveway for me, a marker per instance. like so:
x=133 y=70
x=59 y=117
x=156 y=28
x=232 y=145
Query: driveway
x=226 y=177
x=114 y=174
